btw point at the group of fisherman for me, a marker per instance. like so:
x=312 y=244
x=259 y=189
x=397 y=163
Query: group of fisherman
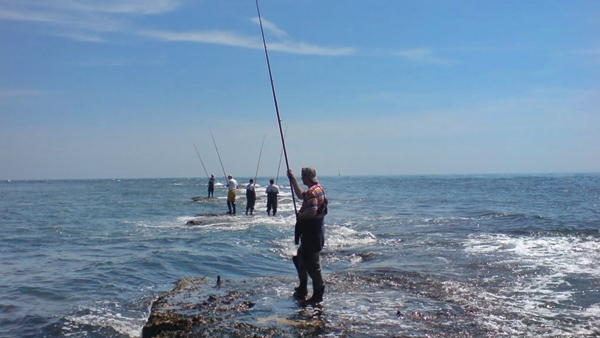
x=309 y=230
x=272 y=191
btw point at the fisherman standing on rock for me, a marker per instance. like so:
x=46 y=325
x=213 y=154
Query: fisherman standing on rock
x=310 y=233
x=250 y=197
x=211 y=186
x=272 y=192
x=231 y=192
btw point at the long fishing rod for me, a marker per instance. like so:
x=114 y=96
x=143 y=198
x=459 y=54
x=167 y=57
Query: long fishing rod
x=259 y=156
x=217 y=149
x=280 y=157
x=200 y=158
x=287 y=164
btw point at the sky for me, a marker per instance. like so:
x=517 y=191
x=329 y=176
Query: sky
x=125 y=89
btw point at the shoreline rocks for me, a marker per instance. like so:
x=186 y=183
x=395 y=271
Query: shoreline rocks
x=199 y=307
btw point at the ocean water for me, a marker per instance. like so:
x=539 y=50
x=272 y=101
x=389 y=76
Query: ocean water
x=406 y=256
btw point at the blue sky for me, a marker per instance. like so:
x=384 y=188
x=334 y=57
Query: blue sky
x=122 y=89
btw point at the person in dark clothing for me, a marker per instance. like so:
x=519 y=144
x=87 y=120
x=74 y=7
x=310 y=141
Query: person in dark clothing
x=310 y=233
x=272 y=192
x=250 y=197
x=211 y=186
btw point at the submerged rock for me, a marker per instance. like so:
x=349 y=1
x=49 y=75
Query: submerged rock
x=199 y=307
x=209 y=214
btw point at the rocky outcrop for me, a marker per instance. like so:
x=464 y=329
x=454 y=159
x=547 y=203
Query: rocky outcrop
x=198 y=307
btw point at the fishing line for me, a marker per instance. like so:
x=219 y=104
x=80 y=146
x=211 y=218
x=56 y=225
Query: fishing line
x=217 y=149
x=200 y=158
x=259 y=156
x=287 y=164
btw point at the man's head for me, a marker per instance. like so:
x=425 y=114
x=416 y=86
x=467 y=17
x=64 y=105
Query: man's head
x=230 y=176
x=251 y=180
x=212 y=175
x=272 y=181
x=310 y=174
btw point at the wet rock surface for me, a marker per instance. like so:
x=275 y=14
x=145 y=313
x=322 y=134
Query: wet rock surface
x=199 y=307
x=361 y=305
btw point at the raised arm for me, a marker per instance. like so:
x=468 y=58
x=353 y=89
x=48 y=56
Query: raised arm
x=294 y=183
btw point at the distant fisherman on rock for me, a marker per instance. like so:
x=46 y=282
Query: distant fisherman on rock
x=310 y=233
x=250 y=197
x=272 y=192
x=211 y=186
x=231 y=192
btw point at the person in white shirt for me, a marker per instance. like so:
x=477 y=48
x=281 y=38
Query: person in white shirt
x=231 y=192
x=272 y=192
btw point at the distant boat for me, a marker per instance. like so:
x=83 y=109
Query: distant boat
x=8 y=181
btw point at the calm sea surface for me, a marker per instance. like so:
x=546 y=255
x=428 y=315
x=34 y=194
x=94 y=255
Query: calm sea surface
x=409 y=256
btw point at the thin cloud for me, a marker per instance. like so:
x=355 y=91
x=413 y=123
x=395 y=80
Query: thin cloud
x=289 y=46
x=424 y=56
x=142 y=7
x=82 y=21
x=32 y=16
x=65 y=20
x=271 y=27
x=253 y=42
x=214 y=37
x=305 y=48
x=76 y=19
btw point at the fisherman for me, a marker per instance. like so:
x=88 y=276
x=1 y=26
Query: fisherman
x=272 y=192
x=310 y=233
x=250 y=197
x=231 y=192
x=211 y=186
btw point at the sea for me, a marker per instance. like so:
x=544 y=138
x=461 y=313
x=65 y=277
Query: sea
x=405 y=256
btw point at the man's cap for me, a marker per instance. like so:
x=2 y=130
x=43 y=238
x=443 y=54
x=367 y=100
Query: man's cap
x=310 y=173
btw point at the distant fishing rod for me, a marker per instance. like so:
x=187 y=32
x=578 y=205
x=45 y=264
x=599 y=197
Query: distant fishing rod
x=287 y=164
x=217 y=149
x=259 y=156
x=200 y=158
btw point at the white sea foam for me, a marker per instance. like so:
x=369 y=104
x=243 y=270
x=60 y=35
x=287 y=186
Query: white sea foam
x=538 y=288
x=341 y=236
x=559 y=254
x=105 y=317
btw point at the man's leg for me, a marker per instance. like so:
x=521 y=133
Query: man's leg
x=313 y=268
x=299 y=262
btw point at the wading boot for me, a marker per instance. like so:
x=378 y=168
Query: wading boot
x=317 y=296
x=301 y=291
